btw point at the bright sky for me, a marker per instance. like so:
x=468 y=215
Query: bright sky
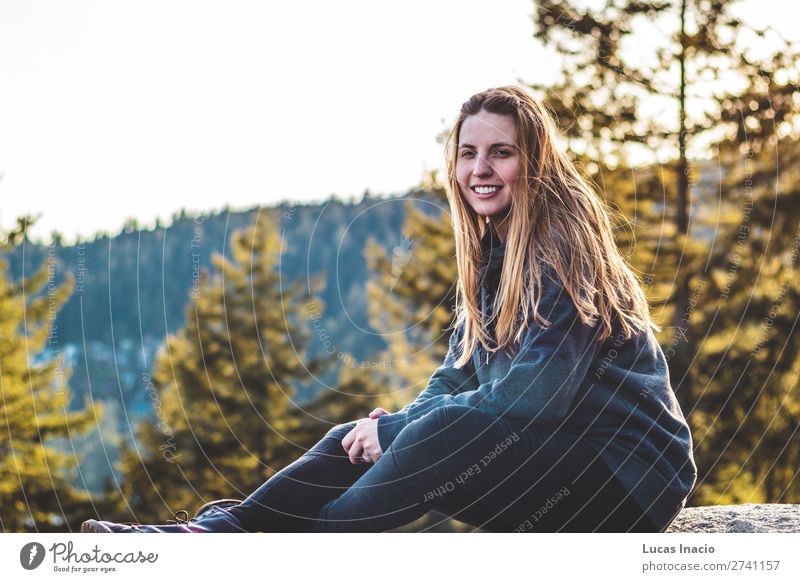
x=114 y=109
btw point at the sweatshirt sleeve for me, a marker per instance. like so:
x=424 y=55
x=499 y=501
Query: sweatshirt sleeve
x=549 y=368
x=446 y=380
x=546 y=372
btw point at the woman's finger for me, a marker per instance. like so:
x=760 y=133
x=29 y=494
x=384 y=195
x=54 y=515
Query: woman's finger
x=372 y=442
x=377 y=412
x=355 y=452
x=348 y=439
x=372 y=452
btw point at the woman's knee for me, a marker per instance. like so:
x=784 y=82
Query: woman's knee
x=425 y=430
x=341 y=430
x=442 y=424
x=422 y=443
x=457 y=419
x=331 y=443
x=444 y=434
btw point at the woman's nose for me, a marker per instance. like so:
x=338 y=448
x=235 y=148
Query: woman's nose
x=482 y=167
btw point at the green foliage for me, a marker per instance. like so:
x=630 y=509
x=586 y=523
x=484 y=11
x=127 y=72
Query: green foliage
x=223 y=385
x=713 y=240
x=36 y=493
x=748 y=361
x=411 y=302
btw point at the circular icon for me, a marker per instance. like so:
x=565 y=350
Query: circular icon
x=31 y=555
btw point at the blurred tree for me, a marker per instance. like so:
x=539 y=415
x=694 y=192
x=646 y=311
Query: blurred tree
x=700 y=89
x=411 y=303
x=36 y=491
x=224 y=386
x=411 y=297
x=607 y=100
x=749 y=364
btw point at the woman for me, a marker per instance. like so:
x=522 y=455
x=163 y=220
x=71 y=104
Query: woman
x=553 y=409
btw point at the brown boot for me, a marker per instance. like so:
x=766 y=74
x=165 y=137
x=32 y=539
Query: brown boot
x=211 y=517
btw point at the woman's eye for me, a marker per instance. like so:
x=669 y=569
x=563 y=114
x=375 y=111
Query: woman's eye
x=466 y=153
x=503 y=152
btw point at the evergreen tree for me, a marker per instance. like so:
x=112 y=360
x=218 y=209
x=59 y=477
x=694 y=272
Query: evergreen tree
x=358 y=391
x=749 y=410
x=710 y=285
x=411 y=302
x=607 y=97
x=36 y=490
x=225 y=385
x=412 y=298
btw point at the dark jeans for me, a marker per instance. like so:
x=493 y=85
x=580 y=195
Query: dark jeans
x=485 y=471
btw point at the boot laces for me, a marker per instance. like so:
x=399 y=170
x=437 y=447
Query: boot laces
x=181 y=517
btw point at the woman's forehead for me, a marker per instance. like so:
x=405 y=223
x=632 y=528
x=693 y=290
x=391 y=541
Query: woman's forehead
x=485 y=126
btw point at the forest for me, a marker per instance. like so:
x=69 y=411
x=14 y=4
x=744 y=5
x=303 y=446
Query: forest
x=150 y=369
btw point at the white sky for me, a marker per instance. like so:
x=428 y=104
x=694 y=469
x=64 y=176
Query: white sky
x=114 y=109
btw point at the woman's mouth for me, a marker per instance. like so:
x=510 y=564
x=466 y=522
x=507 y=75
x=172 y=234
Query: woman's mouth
x=484 y=192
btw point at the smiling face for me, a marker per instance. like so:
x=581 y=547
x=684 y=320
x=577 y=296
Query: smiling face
x=487 y=165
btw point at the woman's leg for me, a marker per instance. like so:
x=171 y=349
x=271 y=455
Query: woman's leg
x=287 y=500
x=591 y=499
x=283 y=504
x=488 y=472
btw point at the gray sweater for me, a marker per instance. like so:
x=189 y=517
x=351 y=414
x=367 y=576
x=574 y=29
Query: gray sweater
x=615 y=395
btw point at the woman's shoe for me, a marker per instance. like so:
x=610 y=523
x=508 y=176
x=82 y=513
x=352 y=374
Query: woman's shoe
x=210 y=518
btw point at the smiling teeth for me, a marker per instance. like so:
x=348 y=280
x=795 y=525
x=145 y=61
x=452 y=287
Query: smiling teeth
x=486 y=189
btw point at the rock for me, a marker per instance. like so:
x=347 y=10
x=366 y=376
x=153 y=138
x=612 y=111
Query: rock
x=745 y=518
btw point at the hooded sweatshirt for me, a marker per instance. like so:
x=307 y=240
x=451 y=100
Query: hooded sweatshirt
x=616 y=395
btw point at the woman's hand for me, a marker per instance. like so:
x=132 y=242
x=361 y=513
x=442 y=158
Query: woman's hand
x=363 y=441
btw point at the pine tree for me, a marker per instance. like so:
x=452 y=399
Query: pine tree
x=412 y=298
x=358 y=391
x=607 y=96
x=36 y=476
x=225 y=385
x=412 y=302
x=700 y=90
x=749 y=410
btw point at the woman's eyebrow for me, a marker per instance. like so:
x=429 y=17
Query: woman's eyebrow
x=494 y=145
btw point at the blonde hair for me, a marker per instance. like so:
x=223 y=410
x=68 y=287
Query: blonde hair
x=556 y=218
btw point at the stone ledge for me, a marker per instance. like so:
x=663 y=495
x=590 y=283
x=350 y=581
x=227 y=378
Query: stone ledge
x=745 y=518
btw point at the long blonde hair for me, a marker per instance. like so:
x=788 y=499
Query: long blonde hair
x=555 y=218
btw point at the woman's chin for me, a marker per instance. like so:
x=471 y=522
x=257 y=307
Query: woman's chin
x=491 y=214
